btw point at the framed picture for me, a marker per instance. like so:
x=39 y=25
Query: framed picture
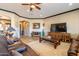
x=36 y=25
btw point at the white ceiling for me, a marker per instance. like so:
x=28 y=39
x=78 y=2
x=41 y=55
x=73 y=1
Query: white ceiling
x=47 y=9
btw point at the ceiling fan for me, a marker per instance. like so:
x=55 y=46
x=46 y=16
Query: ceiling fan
x=32 y=5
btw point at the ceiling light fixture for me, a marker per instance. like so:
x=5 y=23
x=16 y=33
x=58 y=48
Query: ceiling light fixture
x=32 y=5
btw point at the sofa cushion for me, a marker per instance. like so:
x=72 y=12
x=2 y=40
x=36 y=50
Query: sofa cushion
x=3 y=50
x=3 y=41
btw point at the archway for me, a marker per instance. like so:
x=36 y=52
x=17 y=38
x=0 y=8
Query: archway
x=24 y=28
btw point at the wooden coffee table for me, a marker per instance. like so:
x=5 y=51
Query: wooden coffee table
x=53 y=40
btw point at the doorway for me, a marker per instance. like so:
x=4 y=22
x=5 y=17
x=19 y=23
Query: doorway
x=24 y=27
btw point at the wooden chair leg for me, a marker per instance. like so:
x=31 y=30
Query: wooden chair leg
x=40 y=40
x=55 y=46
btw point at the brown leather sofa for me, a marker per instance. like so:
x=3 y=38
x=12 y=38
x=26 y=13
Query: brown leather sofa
x=54 y=37
x=57 y=37
x=63 y=36
x=74 y=48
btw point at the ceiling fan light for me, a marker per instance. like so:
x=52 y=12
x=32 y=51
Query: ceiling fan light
x=32 y=6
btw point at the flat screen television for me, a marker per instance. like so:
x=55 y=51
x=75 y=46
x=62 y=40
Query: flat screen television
x=58 y=27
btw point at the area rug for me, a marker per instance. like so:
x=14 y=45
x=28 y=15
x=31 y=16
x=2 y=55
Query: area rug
x=46 y=48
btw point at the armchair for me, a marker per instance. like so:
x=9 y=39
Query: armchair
x=74 y=48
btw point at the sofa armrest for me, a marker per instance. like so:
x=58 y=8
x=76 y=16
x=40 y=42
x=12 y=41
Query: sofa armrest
x=15 y=53
x=11 y=48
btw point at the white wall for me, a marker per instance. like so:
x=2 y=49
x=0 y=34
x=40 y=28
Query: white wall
x=36 y=21
x=71 y=18
x=15 y=25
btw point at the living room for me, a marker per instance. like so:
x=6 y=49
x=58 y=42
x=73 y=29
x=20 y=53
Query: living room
x=49 y=29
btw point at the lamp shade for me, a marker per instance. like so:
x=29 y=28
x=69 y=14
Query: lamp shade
x=10 y=29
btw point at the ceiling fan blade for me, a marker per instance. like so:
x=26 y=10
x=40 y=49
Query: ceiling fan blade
x=25 y=4
x=37 y=3
x=37 y=7
x=32 y=5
